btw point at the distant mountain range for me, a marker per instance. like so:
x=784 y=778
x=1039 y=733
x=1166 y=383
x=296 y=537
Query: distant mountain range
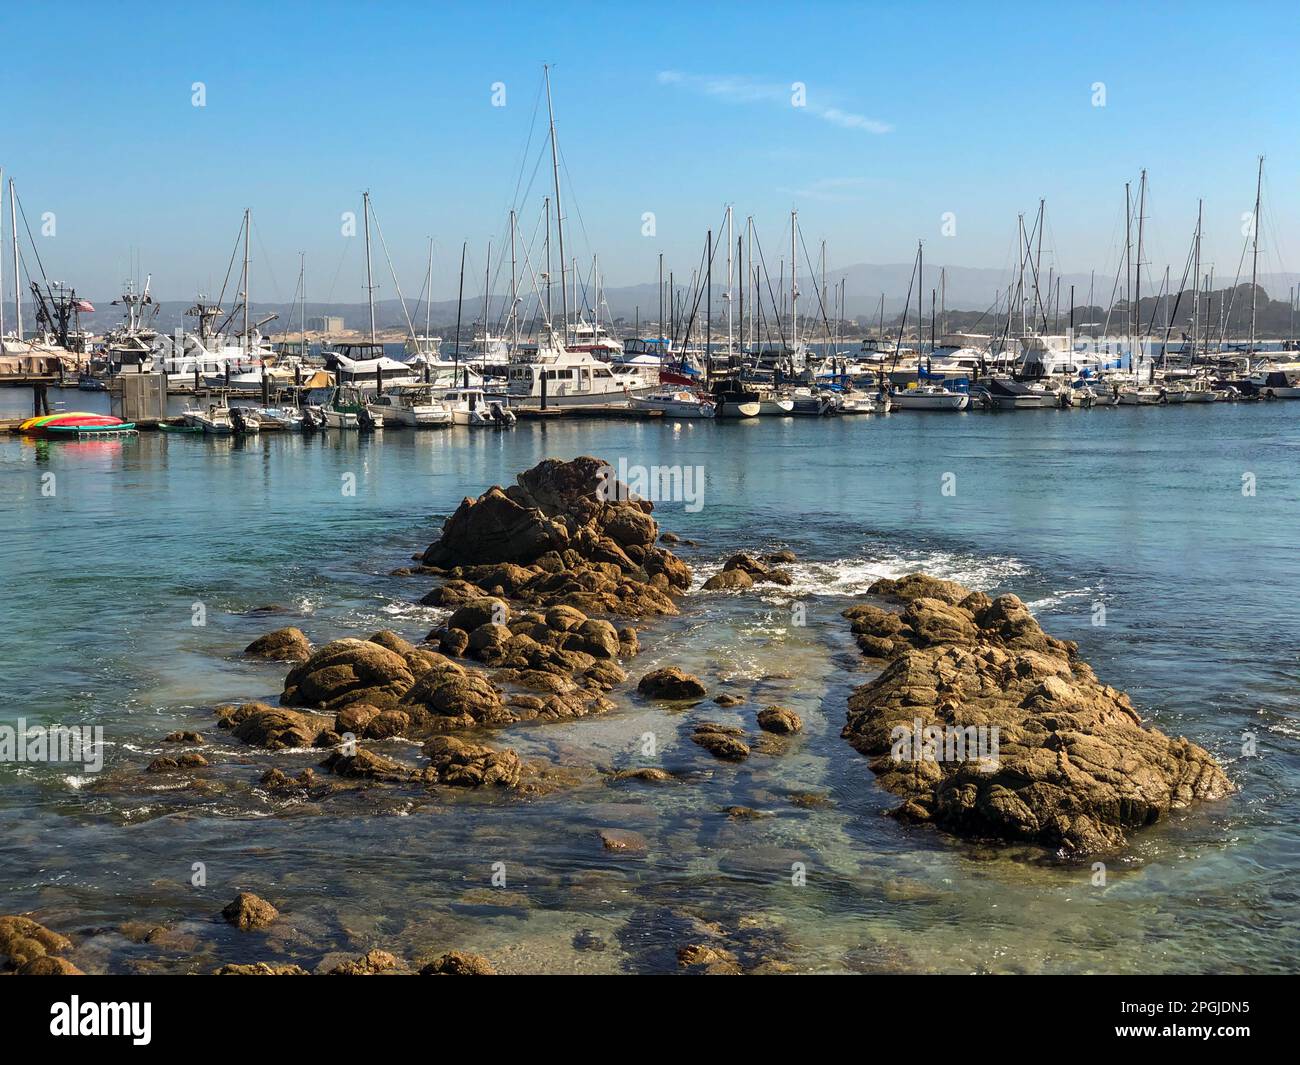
x=966 y=289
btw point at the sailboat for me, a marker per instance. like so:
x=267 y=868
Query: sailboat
x=552 y=375
x=924 y=396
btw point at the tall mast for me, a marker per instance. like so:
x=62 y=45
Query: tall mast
x=2 y=274
x=460 y=299
x=920 y=287
x=302 y=300
x=428 y=299
x=370 y=285
x=708 y=312
x=753 y=275
x=730 y=279
x=1128 y=274
x=548 y=258
x=247 y=335
x=559 y=213
x=514 y=286
x=1196 y=276
x=487 y=281
x=1038 y=264
x=1137 y=273
x=18 y=288
x=660 y=320
x=794 y=283
x=1254 y=257
x=1020 y=289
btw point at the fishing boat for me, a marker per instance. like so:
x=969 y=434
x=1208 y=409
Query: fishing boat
x=930 y=397
x=865 y=403
x=221 y=419
x=345 y=409
x=411 y=407
x=287 y=419
x=476 y=408
x=676 y=403
x=74 y=423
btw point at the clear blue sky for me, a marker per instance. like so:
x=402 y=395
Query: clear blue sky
x=913 y=110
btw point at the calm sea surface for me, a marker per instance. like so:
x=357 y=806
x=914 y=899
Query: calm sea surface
x=1138 y=509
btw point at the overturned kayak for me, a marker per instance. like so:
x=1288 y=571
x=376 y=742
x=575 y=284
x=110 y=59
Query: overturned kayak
x=74 y=423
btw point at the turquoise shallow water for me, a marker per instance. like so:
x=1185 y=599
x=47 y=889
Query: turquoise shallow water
x=1140 y=509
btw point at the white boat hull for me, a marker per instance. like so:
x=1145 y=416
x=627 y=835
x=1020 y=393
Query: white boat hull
x=950 y=401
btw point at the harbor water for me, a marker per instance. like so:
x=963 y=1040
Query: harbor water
x=135 y=570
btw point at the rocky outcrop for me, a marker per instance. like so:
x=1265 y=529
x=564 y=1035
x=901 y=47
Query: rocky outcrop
x=671 y=684
x=722 y=741
x=459 y=764
x=261 y=968
x=459 y=963
x=567 y=533
x=282 y=645
x=779 y=719
x=349 y=671
x=249 y=912
x=31 y=949
x=989 y=727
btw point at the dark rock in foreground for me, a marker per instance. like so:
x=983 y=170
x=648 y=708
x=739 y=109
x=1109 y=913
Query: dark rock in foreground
x=1067 y=761
x=567 y=533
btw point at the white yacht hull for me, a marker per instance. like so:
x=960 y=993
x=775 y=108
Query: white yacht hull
x=949 y=401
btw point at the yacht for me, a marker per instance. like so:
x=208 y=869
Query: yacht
x=930 y=397
x=364 y=366
x=572 y=378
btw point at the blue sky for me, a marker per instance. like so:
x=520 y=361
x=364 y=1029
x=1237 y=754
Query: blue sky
x=912 y=110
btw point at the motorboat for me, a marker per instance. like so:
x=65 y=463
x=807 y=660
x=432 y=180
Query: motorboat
x=410 y=407
x=930 y=397
x=677 y=403
x=346 y=409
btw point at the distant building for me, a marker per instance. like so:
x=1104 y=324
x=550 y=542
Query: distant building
x=326 y=324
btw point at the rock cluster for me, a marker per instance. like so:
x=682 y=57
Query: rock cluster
x=990 y=728
x=30 y=949
x=742 y=571
x=567 y=534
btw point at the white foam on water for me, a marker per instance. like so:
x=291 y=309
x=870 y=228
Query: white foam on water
x=853 y=576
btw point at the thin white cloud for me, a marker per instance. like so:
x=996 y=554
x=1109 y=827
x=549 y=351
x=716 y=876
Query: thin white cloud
x=828 y=190
x=740 y=89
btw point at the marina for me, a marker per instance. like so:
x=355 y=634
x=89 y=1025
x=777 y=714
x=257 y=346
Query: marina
x=643 y=501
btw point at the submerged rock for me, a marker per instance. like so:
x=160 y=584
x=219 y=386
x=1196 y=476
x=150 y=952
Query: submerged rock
x=249 y=912
x=459 y=764
x=30 y=948
x=459 y=963
x=779 y=719
x=261 y=968
x=721 y=741
x=672 y=684
x=372 y=963
x=988 y=727
x=283 y=645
